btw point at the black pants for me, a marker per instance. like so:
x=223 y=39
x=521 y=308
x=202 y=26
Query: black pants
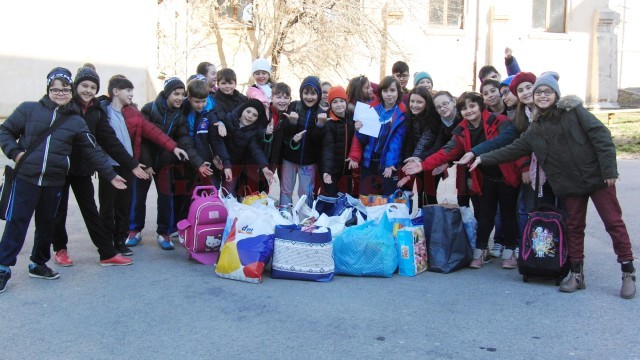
x=83 y=190
x=185 y=179
x=496 y=192
x=115 y=206
x=163 y=180
x=373 y=183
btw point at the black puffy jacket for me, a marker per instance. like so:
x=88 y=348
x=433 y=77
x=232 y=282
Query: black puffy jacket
x=240 y=146
x=337 y=143
x=169 y=121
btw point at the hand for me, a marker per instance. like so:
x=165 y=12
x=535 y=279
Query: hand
x=403 y=181
x=412 y=168
x=19 y=157
x=298 y=137
x=358 y=125
x=440 y=169
x=119 y=183
x=475 y=164
x=139 y=172
x=465 y=159
x=388 y=171
x=222 y=130
x=352 y=164
x=228 y=175
x=610 y=182
x=322 y=118
x=149 y=171
x=327 y=178
x=180 y=154
x=526 y=178
x=324 y=108
x=269 y=129
x=268 y=174
x=293 y=117
x=413 y=158
x=507 y=53
x=205 y=169
x=217 y=162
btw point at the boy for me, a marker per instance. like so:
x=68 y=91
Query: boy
x=400 y=71
x=490 y=72
x=227 y=97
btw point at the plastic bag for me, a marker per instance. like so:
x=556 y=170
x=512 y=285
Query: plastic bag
x=412 y=251
x=470 y=224
x=448 y=246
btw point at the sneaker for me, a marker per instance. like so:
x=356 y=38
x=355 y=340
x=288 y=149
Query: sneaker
x=165 y=242
x=496 y=251
x=509 y=260
x=134 y=238
x=42 y=272
x=117 y=260
x=61 y=257
x=174 y=234
x=480 y=257
x=4 y=280
x=122 y=248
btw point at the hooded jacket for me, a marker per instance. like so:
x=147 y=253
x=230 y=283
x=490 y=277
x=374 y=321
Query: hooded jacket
x=193 y=134
x=169 y=121
x=572 y=146
x=48 y=163
x=337 y=143
x=227 y=103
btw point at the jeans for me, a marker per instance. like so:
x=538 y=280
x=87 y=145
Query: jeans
x=306 y=177
x=165 y=222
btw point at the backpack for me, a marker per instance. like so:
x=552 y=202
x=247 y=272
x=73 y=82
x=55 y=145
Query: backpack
x=201 y=232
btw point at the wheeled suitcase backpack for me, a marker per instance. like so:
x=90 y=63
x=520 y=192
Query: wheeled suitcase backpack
x=201 y=232
x=543 y=250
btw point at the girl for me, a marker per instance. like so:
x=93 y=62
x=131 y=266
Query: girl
x=510 y=99
x=324 y=103
x=47 y=130
x=262 y=89
x=577 y=153
x=338 y=134
x=208 y=70
x=489 y=187
x=381 y=155
x=359 y=89
x=423 y=79
x=423 y=126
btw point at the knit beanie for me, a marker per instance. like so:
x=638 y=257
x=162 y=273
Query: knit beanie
x=171 y=84
x=507 y=81
x=421 y=75
x=336 y=92
x=58 y=73
x=87 y=73
x=259 y=106
x=261 y=64
x=550 y=79
x=197 y=77
x=519 y=78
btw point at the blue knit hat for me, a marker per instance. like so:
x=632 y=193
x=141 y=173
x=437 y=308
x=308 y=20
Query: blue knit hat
x=58 y=73
x=420 y=75
x=507 y=81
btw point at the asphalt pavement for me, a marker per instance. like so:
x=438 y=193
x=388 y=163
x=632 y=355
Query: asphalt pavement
x=165 y=306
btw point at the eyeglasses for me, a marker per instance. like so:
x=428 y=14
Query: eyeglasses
x=56 y=91
x=506 y=92
x=547 y=92
x=443 y=105
x=401 y=76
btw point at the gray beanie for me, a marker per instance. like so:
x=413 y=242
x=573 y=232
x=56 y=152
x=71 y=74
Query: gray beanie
x=171 y=84
x=87 y=73
x=550 y=79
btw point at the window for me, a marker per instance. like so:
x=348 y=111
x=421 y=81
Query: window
x=237 y=9
x=446 y=13
x=549 y=15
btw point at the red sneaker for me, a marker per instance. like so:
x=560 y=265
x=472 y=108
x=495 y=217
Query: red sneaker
x=61 y=257
x=117 y=260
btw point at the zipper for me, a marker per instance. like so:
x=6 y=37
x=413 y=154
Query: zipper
x=346 y=140
x=46 y=149
x=304 y=137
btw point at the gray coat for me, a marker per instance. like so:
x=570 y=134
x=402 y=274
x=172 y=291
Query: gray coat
x=573 y=147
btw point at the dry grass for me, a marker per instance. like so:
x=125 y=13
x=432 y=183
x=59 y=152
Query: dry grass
x=625 y=130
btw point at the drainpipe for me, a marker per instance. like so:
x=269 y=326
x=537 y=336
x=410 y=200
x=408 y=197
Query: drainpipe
x=475 y=51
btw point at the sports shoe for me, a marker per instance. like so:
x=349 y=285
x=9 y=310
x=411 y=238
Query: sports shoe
x=61 y=257
x=174 y=234
x=122 y=248
x=42 y=272
x=4 y=280
x=628 y=290
x=165 y=242
x=496 y=251
x=117 y=260
x=517 y=252
x=480 y=257
x=509 y=260
x=134 y=238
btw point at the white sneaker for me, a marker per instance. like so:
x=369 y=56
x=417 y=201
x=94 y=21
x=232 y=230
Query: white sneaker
x=496 y=251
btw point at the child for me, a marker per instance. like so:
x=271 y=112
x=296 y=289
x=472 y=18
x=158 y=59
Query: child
x=273 y=138
x=577 y=153
x=509 y=99
x=130 y=127
x=359 y=90
x=227 y=97
x=208 y=70
x=490 y=90
x=87 y=84
x=490 y=186
x=423 y=79
x=165 y=113
x=303 y=132
x=41 y=175
x=381 y=155
x=239 y=149
x=490 y=72
x=324 y=102
x=400 y=71
x=261 y=90
x=338 y=134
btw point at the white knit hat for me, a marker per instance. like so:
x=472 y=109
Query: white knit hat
x=261 y=64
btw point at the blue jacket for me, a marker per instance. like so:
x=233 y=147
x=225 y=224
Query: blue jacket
x=393 y=146
x=193 y=134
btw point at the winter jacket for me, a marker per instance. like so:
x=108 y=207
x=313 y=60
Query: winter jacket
x=420 y=138
x=336 y=144
x=512 y=66
x=169 y=121
x=240 y=146
x=273 y=145
x=48 y=164
x=460 y=144
x=254 y=92
x=227 y=103
x=392 y=148
x=572 y=146
x=98 y=124
x=193 y=134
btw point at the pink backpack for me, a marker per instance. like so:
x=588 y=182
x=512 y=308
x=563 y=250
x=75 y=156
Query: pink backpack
x=201 y=231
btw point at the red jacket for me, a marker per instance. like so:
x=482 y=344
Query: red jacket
x=460 y=144
x=139 y=127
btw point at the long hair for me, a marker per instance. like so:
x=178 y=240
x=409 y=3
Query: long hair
x=354 y=90
x=429 y=117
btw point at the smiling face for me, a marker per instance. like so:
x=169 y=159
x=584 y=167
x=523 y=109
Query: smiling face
x=508 y=98
x=261 y=77
x=281 y=101
x=176 y=98
x=417 y=104
x=87 y=91
x=545 y=97
x=59 y=93
x=212 y=76
x=248 y=116
x=390 y=95
x=227 y=87
x=325 y=93
x=445 y=106
x=309 y=96
x=339 y=106
x=471 y=111
x=525 y=93
x=367 y=90
x=425 y=83
x=491 y=95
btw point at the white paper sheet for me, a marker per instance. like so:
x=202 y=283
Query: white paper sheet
x=369 y=117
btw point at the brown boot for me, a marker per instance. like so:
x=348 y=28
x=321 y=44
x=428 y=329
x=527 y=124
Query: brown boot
x=575 y=280
x=628 y=290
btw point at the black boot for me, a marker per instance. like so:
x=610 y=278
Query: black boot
x=575 y=280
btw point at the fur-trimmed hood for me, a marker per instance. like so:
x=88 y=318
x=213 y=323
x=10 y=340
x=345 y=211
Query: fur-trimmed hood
x=569 y=102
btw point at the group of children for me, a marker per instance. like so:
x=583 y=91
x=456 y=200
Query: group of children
x=207 y=132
